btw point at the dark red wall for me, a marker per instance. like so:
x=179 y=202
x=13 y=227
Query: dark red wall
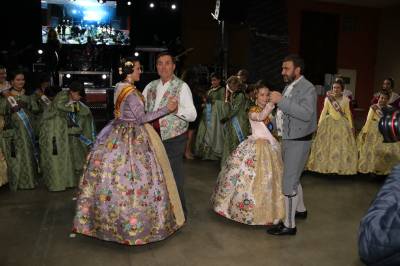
x=357 y=49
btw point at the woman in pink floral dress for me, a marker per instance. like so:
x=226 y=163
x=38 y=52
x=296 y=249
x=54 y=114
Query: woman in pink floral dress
x=127 y=193
x=249 y=186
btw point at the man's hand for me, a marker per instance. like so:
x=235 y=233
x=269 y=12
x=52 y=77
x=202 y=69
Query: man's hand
x=172 y=104
x=275 y=97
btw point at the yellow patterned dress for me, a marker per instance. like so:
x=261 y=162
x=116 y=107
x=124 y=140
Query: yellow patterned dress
x=249 y=186
x=3 y=165
x=374 y=155
x=334 y=149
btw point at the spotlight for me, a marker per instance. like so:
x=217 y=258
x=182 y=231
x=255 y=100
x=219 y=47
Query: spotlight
x=151 y=5
x=136 y=54
x=68 y=76
x=101 y=1
x=104 y=76
x=129 y=3
x=173 y=6
x=40 y=51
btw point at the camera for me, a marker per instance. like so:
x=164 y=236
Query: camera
x=389 y=125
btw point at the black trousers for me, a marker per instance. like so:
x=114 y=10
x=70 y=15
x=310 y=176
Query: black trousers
x=175 y=149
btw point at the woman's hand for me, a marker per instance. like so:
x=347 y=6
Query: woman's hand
x=269 y=106
x=375 y=107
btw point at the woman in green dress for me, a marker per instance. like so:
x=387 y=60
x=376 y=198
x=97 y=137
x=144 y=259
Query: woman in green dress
x=210 y=139
x=235 y=120
x=18 y=136
x=66 y=133
x=4 y=85
x=41 y=93
x=3 y=163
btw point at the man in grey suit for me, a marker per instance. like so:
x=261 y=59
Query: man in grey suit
x=296 y=122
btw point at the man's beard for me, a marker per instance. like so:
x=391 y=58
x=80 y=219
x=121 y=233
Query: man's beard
x=288 y=79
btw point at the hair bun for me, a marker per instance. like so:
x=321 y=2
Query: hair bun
x=127 y=69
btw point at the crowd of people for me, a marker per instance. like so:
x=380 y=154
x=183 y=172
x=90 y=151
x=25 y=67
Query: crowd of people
x=130 y=176
x=79 y=33
x=43 y=134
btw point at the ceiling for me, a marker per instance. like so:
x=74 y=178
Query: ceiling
x=367 y=3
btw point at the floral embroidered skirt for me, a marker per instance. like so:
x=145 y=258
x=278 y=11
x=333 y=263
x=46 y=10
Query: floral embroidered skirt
x=127 y=193
x=375 y=156
x=334 y=149
x=249 y=186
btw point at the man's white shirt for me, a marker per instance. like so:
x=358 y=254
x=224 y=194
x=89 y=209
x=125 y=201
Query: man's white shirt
x=186 y=109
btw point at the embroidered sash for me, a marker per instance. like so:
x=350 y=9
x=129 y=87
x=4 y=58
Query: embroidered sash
x=208 y=114
x=27 y=124
x=336 y=105
x=238 y=130
x=120 y=98
x=73 y=118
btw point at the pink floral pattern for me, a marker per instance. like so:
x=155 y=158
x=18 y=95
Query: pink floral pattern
x=122 y=194
x=249 y=186
x=170 y=125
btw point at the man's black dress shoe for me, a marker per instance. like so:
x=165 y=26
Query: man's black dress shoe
x=301 y=215
x=281 y=230
x=269 y=226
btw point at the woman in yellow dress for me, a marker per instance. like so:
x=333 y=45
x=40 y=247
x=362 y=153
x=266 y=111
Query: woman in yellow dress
x=334 y=149
x=375 y=156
